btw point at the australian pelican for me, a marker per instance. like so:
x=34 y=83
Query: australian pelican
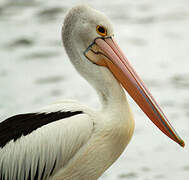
x=67 y=140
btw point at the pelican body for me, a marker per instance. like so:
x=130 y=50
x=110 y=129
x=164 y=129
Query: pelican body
x=67 y=140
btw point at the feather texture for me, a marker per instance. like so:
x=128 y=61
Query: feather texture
x=44 y=151
x=23 y=124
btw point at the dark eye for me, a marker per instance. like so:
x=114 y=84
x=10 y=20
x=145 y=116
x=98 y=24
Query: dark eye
x=101 y=30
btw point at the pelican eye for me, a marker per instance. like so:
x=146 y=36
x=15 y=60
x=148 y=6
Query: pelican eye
x=101 y=30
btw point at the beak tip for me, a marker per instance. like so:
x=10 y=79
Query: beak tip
x=182 y=143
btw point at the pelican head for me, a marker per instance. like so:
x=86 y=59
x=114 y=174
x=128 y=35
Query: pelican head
x=78 y=33
x=88 y=38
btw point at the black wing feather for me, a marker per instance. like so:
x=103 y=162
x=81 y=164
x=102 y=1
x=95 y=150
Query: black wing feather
x=21 y=125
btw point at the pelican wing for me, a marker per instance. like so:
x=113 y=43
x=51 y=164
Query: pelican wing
x=38 y=145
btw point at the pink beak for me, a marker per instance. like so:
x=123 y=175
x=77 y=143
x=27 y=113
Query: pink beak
x=125 y=74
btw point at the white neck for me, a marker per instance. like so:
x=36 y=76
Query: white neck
x=111 y=93
x=115 y=113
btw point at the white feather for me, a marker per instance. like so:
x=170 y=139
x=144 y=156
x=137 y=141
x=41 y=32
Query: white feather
x=59 y=140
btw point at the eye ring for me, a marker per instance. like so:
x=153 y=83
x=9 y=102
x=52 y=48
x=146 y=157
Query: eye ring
x=101 y=30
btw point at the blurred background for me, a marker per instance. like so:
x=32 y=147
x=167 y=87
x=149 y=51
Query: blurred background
x=35 y=71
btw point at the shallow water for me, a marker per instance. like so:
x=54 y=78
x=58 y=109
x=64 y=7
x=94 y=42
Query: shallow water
x=35 y=71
